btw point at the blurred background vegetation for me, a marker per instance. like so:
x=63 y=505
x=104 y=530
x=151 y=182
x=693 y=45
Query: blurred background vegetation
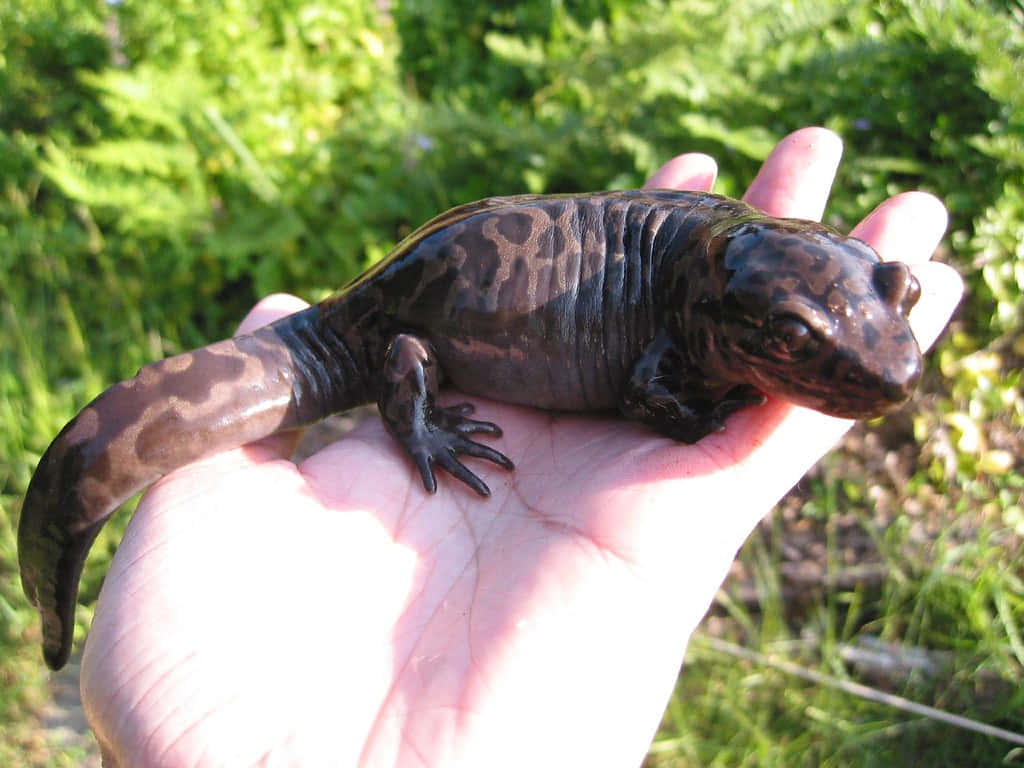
x=163 y=165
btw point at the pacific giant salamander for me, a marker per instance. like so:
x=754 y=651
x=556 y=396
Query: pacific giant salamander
x=676 y=308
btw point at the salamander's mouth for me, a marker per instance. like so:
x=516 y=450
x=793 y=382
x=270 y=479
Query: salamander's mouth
x=862 y=395
x=838 y=386
x=851 y=410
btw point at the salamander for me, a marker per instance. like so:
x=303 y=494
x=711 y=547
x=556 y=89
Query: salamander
x=674 y=308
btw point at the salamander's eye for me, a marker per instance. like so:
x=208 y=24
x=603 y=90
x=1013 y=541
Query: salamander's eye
x=790 y=338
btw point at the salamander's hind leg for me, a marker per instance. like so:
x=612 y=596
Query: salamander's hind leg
x=433 y=435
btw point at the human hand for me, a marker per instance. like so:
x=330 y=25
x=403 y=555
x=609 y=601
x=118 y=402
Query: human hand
x=333 y=613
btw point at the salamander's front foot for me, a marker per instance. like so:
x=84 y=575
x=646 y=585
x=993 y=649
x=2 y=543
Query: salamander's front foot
x=667 y=394
x=433 y=435
x=687 y=420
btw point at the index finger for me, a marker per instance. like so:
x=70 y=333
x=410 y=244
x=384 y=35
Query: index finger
x=795 y=179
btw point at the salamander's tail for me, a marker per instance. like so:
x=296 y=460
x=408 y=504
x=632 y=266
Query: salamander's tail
x=171 y=413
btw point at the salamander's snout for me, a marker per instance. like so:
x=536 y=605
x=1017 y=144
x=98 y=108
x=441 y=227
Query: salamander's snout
x=898 y=381
x=896 y=286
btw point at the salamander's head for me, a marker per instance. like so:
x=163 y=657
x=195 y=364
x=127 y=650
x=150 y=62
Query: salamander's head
x=814 y=317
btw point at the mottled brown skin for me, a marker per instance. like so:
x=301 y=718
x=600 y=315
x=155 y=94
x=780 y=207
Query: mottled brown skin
x=676 y=308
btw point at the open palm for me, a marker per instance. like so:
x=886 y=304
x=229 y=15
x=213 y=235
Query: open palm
x=260 y=612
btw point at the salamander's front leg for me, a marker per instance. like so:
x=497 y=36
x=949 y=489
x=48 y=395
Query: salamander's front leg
x=431 y=434
x=666 y=394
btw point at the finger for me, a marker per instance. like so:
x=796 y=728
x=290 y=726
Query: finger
x=796 y=178
x=690 y=171
x=425 y=465
x=271 y=308
x=471 y=426
x=460 y=471
x=908 y=228
x=470 y=448
x=942 y=288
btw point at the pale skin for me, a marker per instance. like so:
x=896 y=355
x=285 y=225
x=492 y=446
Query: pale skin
x=260 y=612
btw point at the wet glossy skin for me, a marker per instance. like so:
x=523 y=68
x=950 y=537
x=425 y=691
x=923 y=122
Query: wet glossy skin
x=676 y=308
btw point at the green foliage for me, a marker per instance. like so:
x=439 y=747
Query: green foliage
x=163 y=165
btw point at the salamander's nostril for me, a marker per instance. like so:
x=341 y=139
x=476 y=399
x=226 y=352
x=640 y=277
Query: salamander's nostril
x=912 y=295
x=896 y=285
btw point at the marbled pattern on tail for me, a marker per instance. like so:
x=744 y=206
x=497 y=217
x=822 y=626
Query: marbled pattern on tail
x=171 y=413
